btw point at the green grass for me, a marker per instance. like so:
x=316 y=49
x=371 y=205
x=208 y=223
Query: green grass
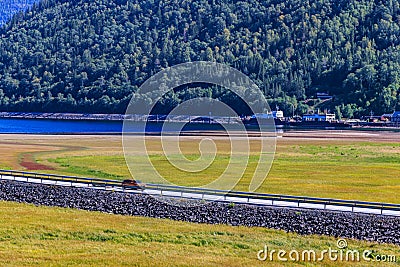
x=360 y=171
x=69 y=165
x=37 y=236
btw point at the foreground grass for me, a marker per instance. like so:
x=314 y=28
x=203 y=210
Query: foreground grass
x=40 y=236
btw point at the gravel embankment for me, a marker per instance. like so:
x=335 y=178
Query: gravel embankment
x=383 y=229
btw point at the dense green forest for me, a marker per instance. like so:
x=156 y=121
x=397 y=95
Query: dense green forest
x=91 y=56
x=9 y=7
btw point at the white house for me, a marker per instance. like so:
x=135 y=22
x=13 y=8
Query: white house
x=319 y=117
x=278 y=114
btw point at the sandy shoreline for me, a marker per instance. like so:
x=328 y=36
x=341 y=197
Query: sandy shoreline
x=386 y=136
x=382 y=136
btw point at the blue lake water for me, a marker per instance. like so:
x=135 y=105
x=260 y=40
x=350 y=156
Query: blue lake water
x=40 y=126
x=47 y=126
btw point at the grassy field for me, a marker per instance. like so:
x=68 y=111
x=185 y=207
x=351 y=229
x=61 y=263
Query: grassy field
x=348 y=168
x=338 y=167
x=37 y=236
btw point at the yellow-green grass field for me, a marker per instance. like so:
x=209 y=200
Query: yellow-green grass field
x=45 y=236
x=343 y=165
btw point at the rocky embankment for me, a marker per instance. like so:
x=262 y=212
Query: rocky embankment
x=383 y=229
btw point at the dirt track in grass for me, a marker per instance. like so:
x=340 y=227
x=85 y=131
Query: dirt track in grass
x=29 y=163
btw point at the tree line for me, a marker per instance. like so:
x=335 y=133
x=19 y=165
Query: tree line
x=93 y=55
x=9 y=7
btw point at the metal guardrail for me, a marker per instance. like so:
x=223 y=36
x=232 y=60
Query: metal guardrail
x=202 y=191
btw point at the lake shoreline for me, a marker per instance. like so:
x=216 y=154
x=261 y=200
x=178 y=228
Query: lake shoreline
x=63 y=116
x=103 y=124
x=342 y=135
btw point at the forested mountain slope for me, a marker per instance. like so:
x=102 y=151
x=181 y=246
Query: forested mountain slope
x=92 y=55
x=9 y=7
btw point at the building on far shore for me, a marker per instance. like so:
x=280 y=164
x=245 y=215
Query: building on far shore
x=278 y=114
x=324 y=96
x=319 y=117
x=396 y=117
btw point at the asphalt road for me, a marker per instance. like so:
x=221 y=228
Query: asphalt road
x=208 y=197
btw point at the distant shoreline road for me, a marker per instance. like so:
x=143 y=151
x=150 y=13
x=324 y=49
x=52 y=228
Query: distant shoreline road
x=63 y=116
